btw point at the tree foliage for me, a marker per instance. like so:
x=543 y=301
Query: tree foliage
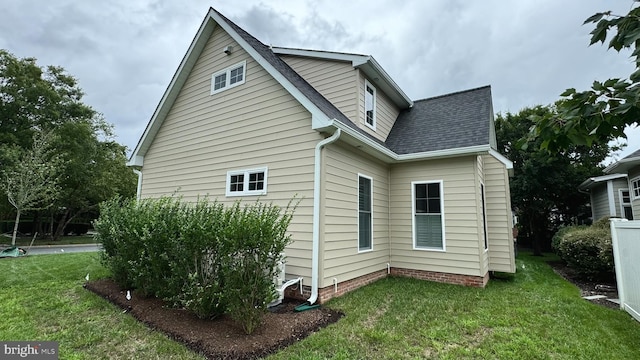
x=601 y=113
x=32 y=183
x=49 y=100
x=544 y=189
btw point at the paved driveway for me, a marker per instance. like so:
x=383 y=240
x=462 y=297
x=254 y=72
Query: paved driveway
x=61 y=249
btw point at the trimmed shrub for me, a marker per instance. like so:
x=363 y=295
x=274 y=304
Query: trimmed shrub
x=258 y=232
x=557 y=237
x=588 y=251
x=203 y=257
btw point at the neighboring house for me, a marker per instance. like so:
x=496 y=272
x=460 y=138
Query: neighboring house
x=630 y=166
x=388 y=185
x=609 y=196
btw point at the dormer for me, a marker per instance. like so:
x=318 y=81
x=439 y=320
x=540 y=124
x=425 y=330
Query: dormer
x=356 y=84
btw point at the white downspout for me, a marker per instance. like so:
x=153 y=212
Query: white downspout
x=316 y=216
x=139 y=190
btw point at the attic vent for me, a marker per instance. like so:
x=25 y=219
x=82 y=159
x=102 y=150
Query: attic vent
x=228 y=49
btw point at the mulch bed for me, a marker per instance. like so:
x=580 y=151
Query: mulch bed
x=606 y=287
x=220 y=338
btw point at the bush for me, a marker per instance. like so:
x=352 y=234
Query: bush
x=203 y=257
x=588 y=251
x=259 y=235
x=557 y=237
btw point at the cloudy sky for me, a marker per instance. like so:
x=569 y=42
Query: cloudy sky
x=125 y=52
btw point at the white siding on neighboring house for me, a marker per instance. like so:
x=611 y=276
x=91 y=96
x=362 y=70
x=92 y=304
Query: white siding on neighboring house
x=256 y=124
x=341 y=259
x=386 y=110
x=333 y=79
x=499 y=220
x=458 y=177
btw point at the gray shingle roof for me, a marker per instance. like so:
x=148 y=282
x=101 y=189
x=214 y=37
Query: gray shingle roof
x=449 y=121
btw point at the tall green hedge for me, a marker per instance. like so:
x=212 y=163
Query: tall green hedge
x=587 y=250
x=201 y=256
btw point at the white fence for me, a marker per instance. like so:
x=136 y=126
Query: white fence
x=626 y=254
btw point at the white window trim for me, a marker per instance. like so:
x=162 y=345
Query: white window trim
x=375 y=112
x=358 y=212
x=483 y=205
x=622 y=204
x=632 y=193
x=245 y=186
x=413 y=215
x=227 y=71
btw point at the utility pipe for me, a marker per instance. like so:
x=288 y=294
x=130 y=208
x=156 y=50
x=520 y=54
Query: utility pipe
x=139 y=190
x=316 y=215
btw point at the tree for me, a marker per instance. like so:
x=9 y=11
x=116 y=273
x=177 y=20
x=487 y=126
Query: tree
x=601 y=113
x=92 y=164
x=32 y=183
x=544 y=187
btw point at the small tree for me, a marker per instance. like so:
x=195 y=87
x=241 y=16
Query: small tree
x=32 y=182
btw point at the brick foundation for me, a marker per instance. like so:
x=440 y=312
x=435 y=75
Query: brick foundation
x=329 y=292
x=466 y=280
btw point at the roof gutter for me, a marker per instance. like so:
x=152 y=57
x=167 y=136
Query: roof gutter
x=315 y=255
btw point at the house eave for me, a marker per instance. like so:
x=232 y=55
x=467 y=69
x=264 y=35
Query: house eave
x=382 y=80
x=589 y=183
x=623 y=165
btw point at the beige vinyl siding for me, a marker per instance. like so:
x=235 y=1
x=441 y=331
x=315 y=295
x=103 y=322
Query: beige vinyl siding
x=255 y=124
x=333 y=79
x=499 y=219
x=341 y=259
x=599 y=201
x=386 y=110
x=482 y=252
x=461 y=217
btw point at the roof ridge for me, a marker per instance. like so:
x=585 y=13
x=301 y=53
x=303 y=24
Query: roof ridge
x=454 y=93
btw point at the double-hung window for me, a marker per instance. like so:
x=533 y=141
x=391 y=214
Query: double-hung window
x=635 y=187
x=369 y=105
x=625 y=204
x=228 y=78
x=365 y=213
x=247 y=182
x=428 y=215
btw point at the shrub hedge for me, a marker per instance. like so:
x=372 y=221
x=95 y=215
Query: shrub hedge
x=587 y=250
x=204 y=257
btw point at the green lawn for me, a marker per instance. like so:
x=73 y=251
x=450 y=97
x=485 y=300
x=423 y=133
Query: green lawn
x=532 y=315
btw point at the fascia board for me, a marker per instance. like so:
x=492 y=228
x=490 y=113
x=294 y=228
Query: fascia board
x=327 y=55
